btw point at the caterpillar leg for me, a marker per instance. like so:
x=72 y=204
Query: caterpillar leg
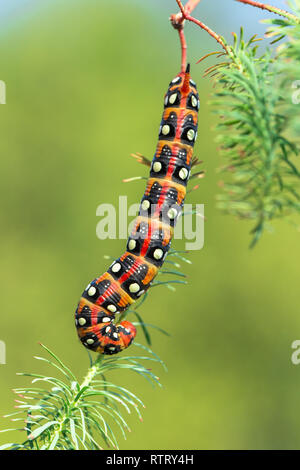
x=142 y=159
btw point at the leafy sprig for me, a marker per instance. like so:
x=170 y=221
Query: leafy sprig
x=288 y=54
x=260 y=177
x=63 y=414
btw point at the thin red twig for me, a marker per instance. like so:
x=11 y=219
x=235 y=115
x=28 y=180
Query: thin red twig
x=183 y=15
x=191 y=4
x=183 y=49
x=177 y=21
x=271 y=8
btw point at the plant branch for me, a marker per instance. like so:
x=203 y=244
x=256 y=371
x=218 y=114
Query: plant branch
x=92 y=372
x=183 y=48
x=270 y=8
x=252 y=101
x=177 y=21
x=191 y=4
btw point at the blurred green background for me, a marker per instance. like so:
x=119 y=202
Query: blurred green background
x=85 y=84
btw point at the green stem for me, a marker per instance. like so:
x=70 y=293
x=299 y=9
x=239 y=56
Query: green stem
x=92 y=372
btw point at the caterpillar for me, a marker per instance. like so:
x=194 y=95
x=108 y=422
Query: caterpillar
x=131 y=275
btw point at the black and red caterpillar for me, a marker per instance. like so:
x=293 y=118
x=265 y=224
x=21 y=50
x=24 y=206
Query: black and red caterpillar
x=131 y=275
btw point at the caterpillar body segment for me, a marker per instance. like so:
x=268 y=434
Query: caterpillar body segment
x=130 y=276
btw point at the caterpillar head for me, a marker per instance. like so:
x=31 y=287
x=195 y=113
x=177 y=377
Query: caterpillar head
x=182 y=86
x=183 y=81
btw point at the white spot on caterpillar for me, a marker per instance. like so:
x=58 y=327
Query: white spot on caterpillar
x=176 y=80
x=107 y=329
x=172 y=98
x=191 y=134
x=82 y=321
x=105 y=319
x=165 y=129
x=111 y=308
x=116 y=268
x=90 y=341
x=194 y=101
x=115 y=335
x=92 y=291
x=158 y=253
x=172 y=213
x=134 y=287
x=157 y=165
x=145 y=204
x=132 y=244
x=183 y=173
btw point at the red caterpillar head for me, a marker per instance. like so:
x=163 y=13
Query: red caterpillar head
x=97 y=331
x=182 y=86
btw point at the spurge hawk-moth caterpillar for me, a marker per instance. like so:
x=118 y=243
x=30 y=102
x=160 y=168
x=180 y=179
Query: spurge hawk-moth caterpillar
x=131 y=275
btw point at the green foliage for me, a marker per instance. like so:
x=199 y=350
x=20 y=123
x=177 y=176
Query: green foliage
x=288 y=54
x=61 y=413
x=254 y=131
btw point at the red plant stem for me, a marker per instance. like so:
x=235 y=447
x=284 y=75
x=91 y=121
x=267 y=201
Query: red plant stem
x=183 y=49
x=190 y=5
x=179 y=3
x=185 y=10
x=178 y=22
x=265 y=6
